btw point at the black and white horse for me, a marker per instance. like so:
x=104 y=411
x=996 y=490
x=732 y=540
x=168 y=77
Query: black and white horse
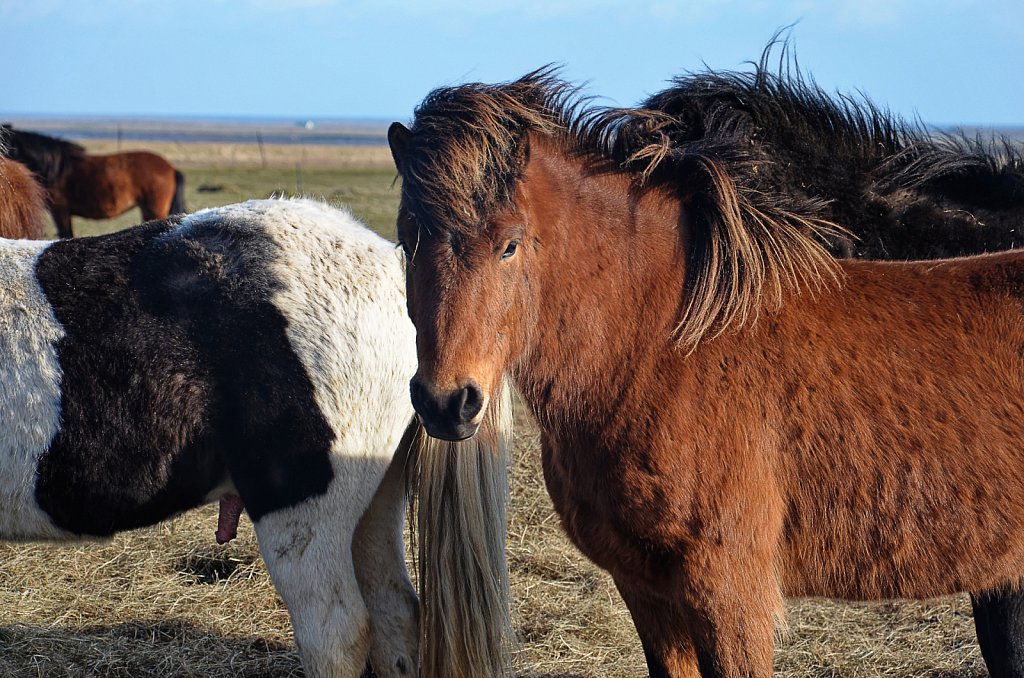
x=259 y=349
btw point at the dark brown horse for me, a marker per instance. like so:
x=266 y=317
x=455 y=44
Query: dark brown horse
x=97 y=186
x=728 y=414
x=21 y=202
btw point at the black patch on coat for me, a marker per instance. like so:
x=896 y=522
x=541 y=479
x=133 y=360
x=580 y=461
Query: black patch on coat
x=177 y=372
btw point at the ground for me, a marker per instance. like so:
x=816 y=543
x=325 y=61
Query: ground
x=168 y=601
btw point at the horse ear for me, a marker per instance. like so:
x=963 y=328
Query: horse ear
x=398 y=139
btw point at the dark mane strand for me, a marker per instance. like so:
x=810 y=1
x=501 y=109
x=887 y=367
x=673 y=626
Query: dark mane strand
x=987 y=172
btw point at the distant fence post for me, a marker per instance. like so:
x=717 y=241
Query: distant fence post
x=118 y=137
x=263 y=156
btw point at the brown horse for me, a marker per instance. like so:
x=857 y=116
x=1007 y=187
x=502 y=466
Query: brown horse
x=97 y=186
x=902 y=190
x=21 y=202
x=728 y=414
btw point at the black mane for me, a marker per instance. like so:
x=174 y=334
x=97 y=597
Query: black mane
x=904 y=191
x=48 y=157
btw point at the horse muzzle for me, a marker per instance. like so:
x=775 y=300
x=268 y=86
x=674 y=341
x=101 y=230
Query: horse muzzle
x=454 y=415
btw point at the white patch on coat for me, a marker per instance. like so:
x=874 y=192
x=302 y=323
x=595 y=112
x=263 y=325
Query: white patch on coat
x=343 y=297
x=30 y=378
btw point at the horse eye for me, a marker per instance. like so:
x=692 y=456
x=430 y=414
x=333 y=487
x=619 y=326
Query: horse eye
x=510 y=250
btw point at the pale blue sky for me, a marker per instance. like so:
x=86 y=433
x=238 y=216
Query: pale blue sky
x=951 y=61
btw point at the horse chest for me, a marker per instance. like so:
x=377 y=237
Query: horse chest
x=623 y=515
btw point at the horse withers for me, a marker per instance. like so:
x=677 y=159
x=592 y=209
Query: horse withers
x=728 y=414
x=259 y=350
x=97 y=186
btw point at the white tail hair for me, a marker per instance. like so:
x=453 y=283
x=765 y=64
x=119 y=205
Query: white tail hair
x=459 y=524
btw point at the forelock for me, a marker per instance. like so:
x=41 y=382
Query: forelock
x=467 y=152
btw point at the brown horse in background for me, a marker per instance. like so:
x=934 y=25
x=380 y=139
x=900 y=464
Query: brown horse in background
x=728 y=414
x=97 y=186
x=22 y=202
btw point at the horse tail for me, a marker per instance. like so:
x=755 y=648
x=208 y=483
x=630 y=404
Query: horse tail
x=460 y=493
x=178 y=201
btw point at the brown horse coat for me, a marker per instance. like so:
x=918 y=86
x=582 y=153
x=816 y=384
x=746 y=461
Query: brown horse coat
x=728 y=415
x=21 y=202
x=900 y=392
x=103 y=186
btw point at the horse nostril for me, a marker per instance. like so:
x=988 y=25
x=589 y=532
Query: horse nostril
x=471 y=401
x=447 y=415
x=418 y=394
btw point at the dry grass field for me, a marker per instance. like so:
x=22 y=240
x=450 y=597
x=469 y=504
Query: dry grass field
x=167 y=601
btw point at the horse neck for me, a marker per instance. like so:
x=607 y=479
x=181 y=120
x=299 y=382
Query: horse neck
x=608 y=284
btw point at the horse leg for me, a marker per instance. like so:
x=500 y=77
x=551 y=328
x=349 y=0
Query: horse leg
x=999 y=621
x=735 y=605
x=62 y=220
x=379 y=556
x=149 y=212
x=714 y=638
x=664 y=634
x=734 y=643
x=308 y=552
